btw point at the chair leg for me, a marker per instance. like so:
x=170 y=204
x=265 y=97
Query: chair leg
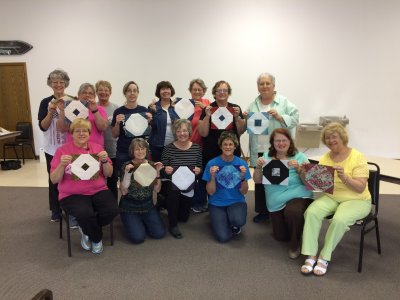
x=360 y=256
x=112 y=233
x=23 y=154
x=33 y=151
x=16 y=153
x=378 y=239
x=61 y=221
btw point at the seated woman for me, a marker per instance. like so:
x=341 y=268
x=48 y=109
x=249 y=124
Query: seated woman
x=226 y=177
x=286 y=203
x=181 y=152
x=90 y=201
x=349 y=202
x=138 y=213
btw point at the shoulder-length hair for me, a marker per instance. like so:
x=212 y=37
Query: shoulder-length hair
x=292 y=148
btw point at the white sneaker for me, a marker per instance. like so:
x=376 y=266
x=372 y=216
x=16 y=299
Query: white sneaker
x=97 y=248
x=85 y=241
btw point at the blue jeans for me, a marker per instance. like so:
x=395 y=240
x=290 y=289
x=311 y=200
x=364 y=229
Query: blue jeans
x=223 y=218
x=138 y=225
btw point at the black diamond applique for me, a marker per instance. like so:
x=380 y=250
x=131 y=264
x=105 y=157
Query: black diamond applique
x=76 y=112
x=257 y=123
x=85 y=166
x=221 y=118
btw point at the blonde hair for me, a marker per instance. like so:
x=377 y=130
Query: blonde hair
x=103 y=83
x=335 y=127
x=80 y=123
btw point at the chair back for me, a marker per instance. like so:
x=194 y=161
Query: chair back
x=26 y=132
x=373 y=185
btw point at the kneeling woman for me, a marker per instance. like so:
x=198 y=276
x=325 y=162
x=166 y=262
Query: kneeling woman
x=90 y=201
x=226 y=186
x=138 y=213
x=286 y=203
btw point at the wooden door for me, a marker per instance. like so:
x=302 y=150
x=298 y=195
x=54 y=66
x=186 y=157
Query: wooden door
x=14 y=100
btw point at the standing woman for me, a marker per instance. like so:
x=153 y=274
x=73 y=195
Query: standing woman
x=164 y=116
x=103 y=92
x=182 y=152
x=97 y=115
x=286 y=203
x=197 y=89
x=58 y=81
x=283 y=114
x=131 y=92
x=350 y=201
x=227 y=204
x=221 y=92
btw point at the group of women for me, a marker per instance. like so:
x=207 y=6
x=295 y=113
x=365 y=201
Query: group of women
x=211 y=154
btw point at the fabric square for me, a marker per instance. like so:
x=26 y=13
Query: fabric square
x=144 y=174
x=85 y=167
x=183 y=179
x=258 y=123
x=184 y=108
x=228 y=177
x=222 y=118
x=75 y=109
x=276 y=171
x=320 y=178
x=136 y=125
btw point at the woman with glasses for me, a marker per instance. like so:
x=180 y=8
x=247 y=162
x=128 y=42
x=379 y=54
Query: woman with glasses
x=221 y=92
x=282 y=114
x=350 y=201
x=58 y=81
x=88 y=199
x=286 y=203
x=138 y=214
x=181 y=152
x=197 y=89
x=97 y=115
x=226 y=176
x=131 y=106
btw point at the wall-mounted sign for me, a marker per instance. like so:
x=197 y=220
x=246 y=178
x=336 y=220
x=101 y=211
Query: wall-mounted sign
x=14 y=47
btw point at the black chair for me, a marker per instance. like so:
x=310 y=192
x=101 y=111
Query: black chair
x=24 y=139
x=370 y=222
x=65 y=216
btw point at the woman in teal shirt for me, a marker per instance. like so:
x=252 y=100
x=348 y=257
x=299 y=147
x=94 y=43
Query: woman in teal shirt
x=286 y=203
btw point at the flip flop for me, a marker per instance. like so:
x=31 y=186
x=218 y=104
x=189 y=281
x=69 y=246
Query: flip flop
x=309 y=267
x=323 y=269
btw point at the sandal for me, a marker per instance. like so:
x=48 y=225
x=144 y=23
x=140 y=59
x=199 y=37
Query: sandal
x=308 y=266
x=321 y=267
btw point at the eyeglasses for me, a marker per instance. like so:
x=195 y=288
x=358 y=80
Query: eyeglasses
x=81 y=131
x=182 y=131
x=58 y=82
x=281 y=141
x=222 y=91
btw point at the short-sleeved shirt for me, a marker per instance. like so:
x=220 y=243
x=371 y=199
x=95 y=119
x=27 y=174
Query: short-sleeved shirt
x=68 y=185
x=211 y=148
x=124 y=141
x=110 y=143
x=278 y=195
x=355 y=165
x=225 y=196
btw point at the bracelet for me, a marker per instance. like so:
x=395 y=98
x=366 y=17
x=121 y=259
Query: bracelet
x=104 y=162
x=95 y=111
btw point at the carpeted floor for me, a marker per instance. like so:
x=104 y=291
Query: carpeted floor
x=254 y=266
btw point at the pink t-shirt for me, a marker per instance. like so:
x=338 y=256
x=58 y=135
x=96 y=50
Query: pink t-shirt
x=67 y=185
x=196 y=137
x=96 y=136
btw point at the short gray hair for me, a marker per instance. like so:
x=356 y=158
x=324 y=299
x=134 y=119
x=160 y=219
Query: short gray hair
x=178 y=124
x=200 y=82
x=58 y=74
x=272 y=77
x=84 y=86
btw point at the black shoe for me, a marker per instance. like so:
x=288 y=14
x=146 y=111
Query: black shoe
x=260 y=218
x=236 y=230
x=175 y=232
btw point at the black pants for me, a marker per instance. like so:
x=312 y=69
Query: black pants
x=113 y=180
x=260 y=203
x=92 y=212
x=53 y=188
x=178 y=205
x=288 y=223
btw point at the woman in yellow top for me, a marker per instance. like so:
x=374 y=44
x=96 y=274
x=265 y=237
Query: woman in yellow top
x=349 y=202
